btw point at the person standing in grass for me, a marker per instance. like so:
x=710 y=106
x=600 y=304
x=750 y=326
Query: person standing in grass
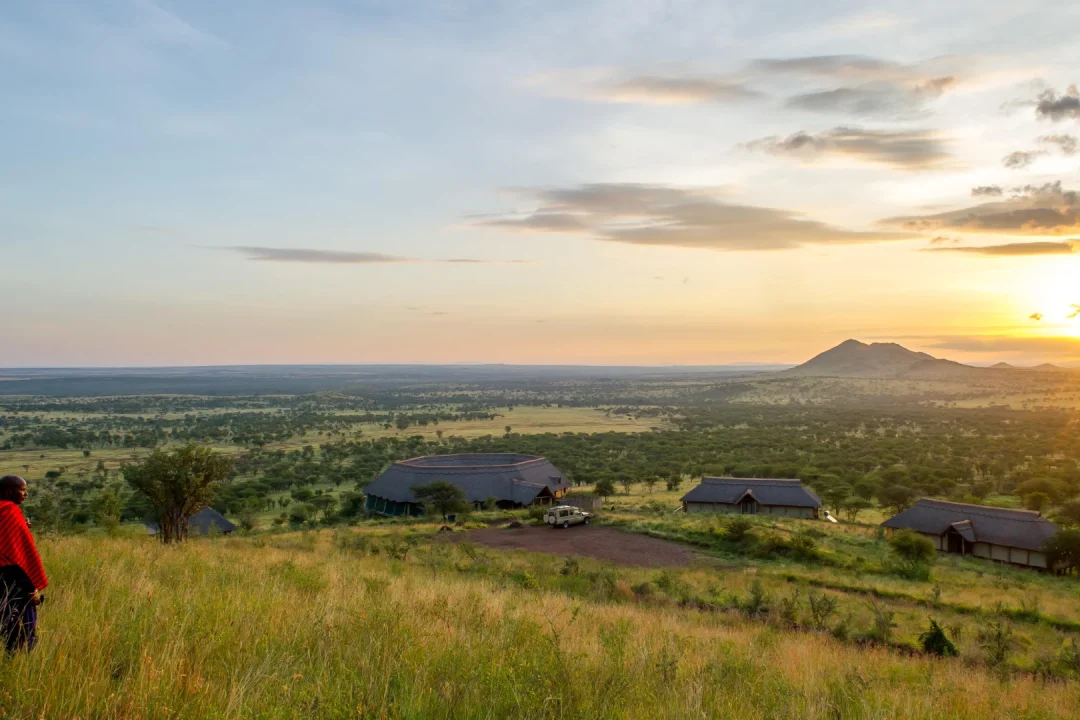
x=22 y=577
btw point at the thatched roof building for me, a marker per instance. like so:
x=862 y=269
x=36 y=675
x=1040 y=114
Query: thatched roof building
x=513 y=480
x=752 y=496
x=1005 y=534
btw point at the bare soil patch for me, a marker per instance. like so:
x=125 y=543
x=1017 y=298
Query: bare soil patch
x=588 y=541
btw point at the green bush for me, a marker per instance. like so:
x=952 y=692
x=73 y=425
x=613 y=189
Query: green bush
x=737 y=528
x=935 y=642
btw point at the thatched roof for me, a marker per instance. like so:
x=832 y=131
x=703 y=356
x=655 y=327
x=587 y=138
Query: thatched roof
x=1023 y=529
x=504 y=476
x=200 y=523
x=730 y=491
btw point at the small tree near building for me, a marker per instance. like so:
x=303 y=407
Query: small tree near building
x=178 y=484
x=442 y=498
x=604 y=487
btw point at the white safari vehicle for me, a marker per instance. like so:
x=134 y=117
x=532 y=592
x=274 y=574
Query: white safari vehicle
x=563 y=516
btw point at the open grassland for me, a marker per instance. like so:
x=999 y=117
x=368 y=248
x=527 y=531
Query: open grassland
x=522 y=419
x=286 y=626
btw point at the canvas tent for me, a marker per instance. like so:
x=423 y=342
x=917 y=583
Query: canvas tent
x=1005 y=534
x=752 y=496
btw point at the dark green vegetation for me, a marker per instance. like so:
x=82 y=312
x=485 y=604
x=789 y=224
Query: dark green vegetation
x=854 y=458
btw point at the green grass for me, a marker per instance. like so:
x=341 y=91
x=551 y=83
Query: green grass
x=286 y=626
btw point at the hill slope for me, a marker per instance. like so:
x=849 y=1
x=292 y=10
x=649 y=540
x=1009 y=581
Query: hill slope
x=852 y=358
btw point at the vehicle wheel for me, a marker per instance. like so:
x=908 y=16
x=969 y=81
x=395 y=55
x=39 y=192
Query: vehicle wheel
x=588 y=520
x=565 y=524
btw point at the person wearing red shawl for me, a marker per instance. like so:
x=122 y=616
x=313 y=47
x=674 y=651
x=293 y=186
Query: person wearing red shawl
x=22 y=577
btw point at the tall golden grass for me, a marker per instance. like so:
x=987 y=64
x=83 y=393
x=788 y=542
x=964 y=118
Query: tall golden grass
x=291 y=626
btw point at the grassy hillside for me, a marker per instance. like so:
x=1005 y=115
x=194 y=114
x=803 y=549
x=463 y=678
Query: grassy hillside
x=316 y=625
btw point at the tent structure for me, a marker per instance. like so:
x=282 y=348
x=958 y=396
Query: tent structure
x=752 y=496
x=513 y=481
x=1005 y=534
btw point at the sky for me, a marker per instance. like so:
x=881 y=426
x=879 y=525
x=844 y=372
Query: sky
x=537 y=182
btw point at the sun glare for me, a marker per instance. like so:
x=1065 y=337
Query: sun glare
x=1054 y=296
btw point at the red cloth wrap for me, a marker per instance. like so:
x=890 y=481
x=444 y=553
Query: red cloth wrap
x=17 y=544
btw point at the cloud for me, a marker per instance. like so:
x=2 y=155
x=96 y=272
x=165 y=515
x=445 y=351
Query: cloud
x=987 y=191
x=1067 y=144
x=669 y=216
x=1059 y=107
x=943 y=240
x=902 y=149
x=1035 y=316
x=1067 y=247
x=1075 y=312
x=1020 y=159
x=859 y=84
x=343 y=257
x=608 y=86
x=871 y=86
x=1008 y=343
x=843 y=66
x=659 y=90
x=889 y=99
x=1032 y=210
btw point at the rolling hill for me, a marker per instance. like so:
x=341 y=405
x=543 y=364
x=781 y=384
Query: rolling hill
x=882 y=360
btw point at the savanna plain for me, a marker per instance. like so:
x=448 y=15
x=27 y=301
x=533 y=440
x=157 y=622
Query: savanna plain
x=317 y=607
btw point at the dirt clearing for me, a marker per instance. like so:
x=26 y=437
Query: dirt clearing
x=589 y=541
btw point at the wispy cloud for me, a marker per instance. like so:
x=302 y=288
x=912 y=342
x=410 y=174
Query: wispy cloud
x=1056 y=345
x=673 y=216
x=344 y=257
x=903 y=149
x=609 y=86
x=857 y=85
x=1032 y=210
x=659 y=90
x=1068 y=247
x=1020 y=159
x=987 y=191
x=1066 y=144
x=870 y=86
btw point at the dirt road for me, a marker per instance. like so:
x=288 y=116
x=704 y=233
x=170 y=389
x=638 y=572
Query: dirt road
x=589 y=541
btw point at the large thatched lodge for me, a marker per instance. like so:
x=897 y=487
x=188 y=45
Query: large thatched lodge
x=1012 y=536
x=752 y=496
x=511 y=480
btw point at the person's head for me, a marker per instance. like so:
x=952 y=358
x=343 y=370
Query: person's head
x=13 y=488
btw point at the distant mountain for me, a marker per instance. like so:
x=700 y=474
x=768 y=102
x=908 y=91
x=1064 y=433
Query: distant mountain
x=881 y=360
x=1003 y=366
x=1048 y=367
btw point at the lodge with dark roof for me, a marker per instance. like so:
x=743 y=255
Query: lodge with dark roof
x=512 y=480
x=1012 y=536
x=203 y=522
x=752 y=496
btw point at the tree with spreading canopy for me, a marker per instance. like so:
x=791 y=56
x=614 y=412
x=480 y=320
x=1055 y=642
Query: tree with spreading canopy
x=441 y=497
x=178 y=484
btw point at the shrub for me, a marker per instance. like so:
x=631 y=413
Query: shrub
x=822 y=608
x=757 y=599
x=804 y=547
x=737 y=528
x=912 y=555
x=997 y=642
x=788 y=607
x=884 y=622
x=935 y=642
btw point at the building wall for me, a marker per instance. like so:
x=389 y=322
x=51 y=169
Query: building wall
x=989 y=551
x=725 y=509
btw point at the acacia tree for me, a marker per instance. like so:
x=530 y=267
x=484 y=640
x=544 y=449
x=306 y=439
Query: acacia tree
x=178 y=484
x=442 y=497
